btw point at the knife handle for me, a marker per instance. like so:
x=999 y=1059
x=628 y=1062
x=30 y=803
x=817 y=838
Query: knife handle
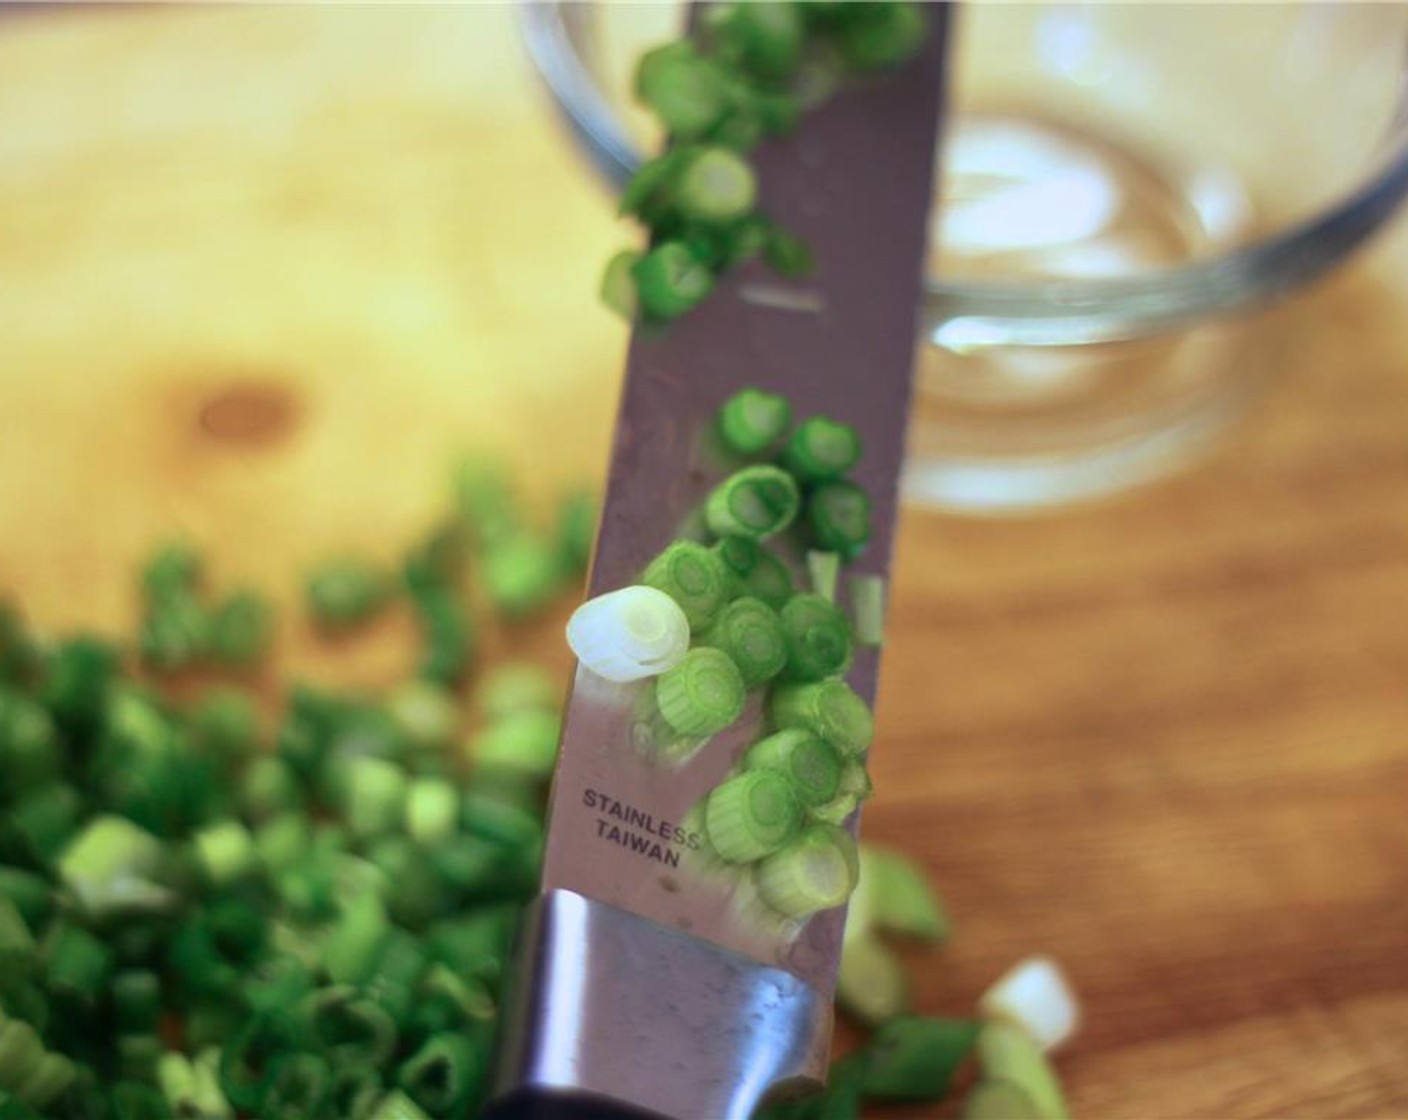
x=614 y=1017
x=532 y=1105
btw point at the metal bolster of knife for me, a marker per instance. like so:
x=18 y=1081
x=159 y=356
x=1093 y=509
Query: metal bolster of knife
x=613 y=1014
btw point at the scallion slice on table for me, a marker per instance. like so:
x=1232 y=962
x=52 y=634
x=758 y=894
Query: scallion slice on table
x=830 y=709
x=750 y=815
x=694 y=577
x=871 y=983
x=1036 y=996
x=895 y=897
x=816 y=871
x=1006 y=1052
x=878 y=36
x=991 y=1099
x=818 y=638
x=751 y=634
x=753 y=502
x=915 y=1057
x=821 y=449
x=752 y=421
x=838 y=515
x=344 y=592
x=630 y=634
x=701 y=695
x=810 y=763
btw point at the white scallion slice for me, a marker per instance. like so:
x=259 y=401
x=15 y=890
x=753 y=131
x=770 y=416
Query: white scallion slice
x=1035 y=995
x=630 y=634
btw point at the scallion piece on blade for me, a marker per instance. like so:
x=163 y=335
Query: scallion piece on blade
x=855 y=788
x=913 y=1058
x=787 y=254
x=524 y=743
x=444 y=1075
x=897 y=897
x=838 y=515
x=694 y=577
x=751 y=815
x=821 y=449
x=650 y=193
x=868 y=609
x=829 y=709
x=814 y=872
x=810 y=763
x=818 y=638
x=883 y=35
x=766 y=40
x=687 y=92
x=670 y=281
x=752 y=421
x=701 y=695
x=755 y=502
x=618 y=284
x=1035 y=995
x=300 y=1087
x=716 y=185
x=769 y=580
x=740 y=555
x=1006 y=1052
x=824 y=569
x=344 y=592
x=871 y=984
x=991 y=1099
x=751 y=634
x=630 y=634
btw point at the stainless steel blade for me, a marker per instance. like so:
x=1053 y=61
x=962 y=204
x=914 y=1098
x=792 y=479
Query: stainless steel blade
x=856 y=182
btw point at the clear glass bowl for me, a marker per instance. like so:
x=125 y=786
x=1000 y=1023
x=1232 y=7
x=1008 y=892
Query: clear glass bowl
x=1121 y=185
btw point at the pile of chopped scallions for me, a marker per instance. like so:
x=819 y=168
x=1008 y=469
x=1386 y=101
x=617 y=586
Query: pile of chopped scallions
x=712 y=621
x=216 y=902
x=746 y=76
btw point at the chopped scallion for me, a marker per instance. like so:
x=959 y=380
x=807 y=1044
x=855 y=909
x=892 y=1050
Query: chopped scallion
x=914 y=1058
x=818 y=638
x=751 y=634
x=694 y=577
x=814 y=872
x=755 y=502
x=810 y=763
x=829 y=709
x=838 y=515
x=701 y=695
x=751 y=815
x=670 y=280
x=752 y=421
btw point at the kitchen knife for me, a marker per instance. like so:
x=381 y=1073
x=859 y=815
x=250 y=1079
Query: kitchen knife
x=643 y=988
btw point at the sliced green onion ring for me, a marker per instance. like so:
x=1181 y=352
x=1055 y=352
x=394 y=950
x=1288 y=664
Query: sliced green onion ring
x=754 y=502
x=815 y=872
x=751 y=815
x=701 y=695
x=630 y=634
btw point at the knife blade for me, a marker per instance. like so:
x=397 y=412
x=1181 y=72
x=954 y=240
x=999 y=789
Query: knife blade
x=643 y=982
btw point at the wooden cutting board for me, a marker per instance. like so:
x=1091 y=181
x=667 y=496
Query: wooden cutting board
x=263 y=269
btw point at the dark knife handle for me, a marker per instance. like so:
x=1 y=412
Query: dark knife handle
x=613 y=1017
x=538 y=1105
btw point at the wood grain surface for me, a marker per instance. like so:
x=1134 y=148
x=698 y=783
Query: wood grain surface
x=263 y=269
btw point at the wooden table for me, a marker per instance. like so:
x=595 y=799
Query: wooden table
x=261 y=270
